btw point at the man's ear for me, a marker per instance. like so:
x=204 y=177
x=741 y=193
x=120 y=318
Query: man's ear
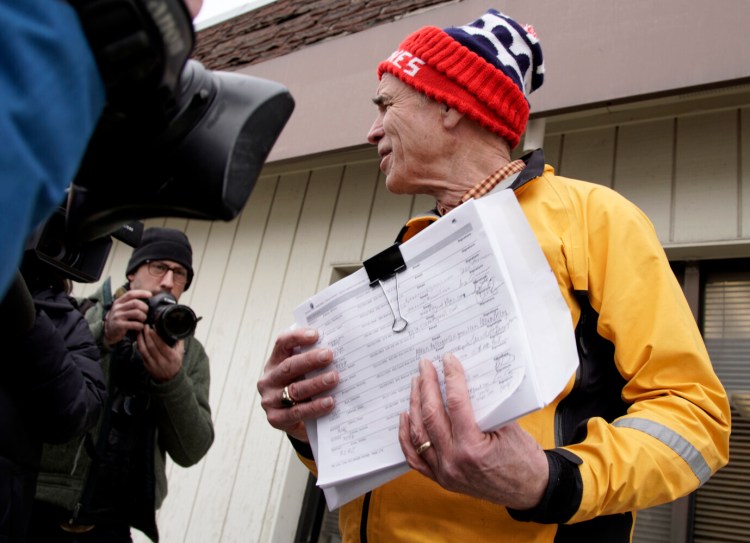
x=451 y=117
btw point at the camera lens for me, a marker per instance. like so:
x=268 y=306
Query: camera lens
x=177 y=321
x=171 y=320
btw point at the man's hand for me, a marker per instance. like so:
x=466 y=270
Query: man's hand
x=128 y=312
x=506 y=466
x=160 y=361
x=287 y=367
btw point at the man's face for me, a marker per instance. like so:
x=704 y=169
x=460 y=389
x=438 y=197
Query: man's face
x=409 y=134
x=159 y=276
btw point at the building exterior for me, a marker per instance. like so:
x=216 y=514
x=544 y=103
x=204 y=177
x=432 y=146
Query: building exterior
x=650 y=98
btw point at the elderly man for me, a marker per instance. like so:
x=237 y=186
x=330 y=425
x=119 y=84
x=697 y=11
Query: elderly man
x=645 y=420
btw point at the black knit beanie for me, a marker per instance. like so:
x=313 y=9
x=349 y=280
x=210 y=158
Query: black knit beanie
x=163 y=244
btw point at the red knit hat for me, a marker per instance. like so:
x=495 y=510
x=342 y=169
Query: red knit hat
x=485 y=70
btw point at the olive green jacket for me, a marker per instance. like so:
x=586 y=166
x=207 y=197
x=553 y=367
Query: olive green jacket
x=184 y=428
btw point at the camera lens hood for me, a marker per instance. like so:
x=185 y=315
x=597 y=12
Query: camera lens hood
x=172 y=321
x=177 y=322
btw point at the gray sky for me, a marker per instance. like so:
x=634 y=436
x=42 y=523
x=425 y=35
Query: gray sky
x=215 y=11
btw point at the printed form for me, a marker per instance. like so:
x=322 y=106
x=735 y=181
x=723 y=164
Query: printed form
x=457 y=294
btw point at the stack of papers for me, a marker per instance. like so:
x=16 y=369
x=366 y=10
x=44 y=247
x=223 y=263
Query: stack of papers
x=475 y=283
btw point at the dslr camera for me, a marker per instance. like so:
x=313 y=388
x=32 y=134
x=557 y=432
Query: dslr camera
x=172 y=321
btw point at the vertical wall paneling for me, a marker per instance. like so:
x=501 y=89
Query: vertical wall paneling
x=346 y=238
x=389 y=212
x=211 y=242
x=198 y=233
x=706 y=177
x=643 y=171
x=306 y=262
x=258 y=501
x=588 y=155
x=421 y=203
x=552 y=149
x=233 y=282
x=231 y=416
x=211 y=264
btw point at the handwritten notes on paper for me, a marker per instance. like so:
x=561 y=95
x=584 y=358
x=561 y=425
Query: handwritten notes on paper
x=458 y=295
x=455 y=300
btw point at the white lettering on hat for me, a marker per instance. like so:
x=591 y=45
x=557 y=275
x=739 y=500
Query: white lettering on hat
x=406 y=62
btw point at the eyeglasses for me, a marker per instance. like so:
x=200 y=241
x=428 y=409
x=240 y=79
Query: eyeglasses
x=160 y=269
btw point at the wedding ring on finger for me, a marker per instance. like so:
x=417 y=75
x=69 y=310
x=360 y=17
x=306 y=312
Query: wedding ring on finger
x=423 y=447
x=286 y=398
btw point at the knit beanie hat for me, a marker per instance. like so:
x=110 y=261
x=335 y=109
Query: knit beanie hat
x=163 y=244
x=485 y=70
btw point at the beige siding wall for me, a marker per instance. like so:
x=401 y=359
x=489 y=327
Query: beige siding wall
x=684 y=163
x=307 y=219
x=595 y=53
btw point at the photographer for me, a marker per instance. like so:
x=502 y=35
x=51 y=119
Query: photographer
x=158 y=388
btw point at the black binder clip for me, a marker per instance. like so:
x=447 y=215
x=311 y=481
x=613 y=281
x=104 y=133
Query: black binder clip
x=382 y=266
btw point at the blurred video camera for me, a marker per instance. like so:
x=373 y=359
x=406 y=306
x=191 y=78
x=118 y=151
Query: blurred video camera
x=81 y=261
x=174 y=140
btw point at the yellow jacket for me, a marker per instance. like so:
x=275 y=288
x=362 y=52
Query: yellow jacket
x=645 y=420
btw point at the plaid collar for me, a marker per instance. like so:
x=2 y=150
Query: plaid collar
x=489 y=183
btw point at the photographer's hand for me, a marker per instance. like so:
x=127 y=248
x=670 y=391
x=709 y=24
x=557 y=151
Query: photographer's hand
x=160 y=361
x=128 y=312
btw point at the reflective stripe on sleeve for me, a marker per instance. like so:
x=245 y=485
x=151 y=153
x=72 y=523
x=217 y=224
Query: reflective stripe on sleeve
x=674 y=441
